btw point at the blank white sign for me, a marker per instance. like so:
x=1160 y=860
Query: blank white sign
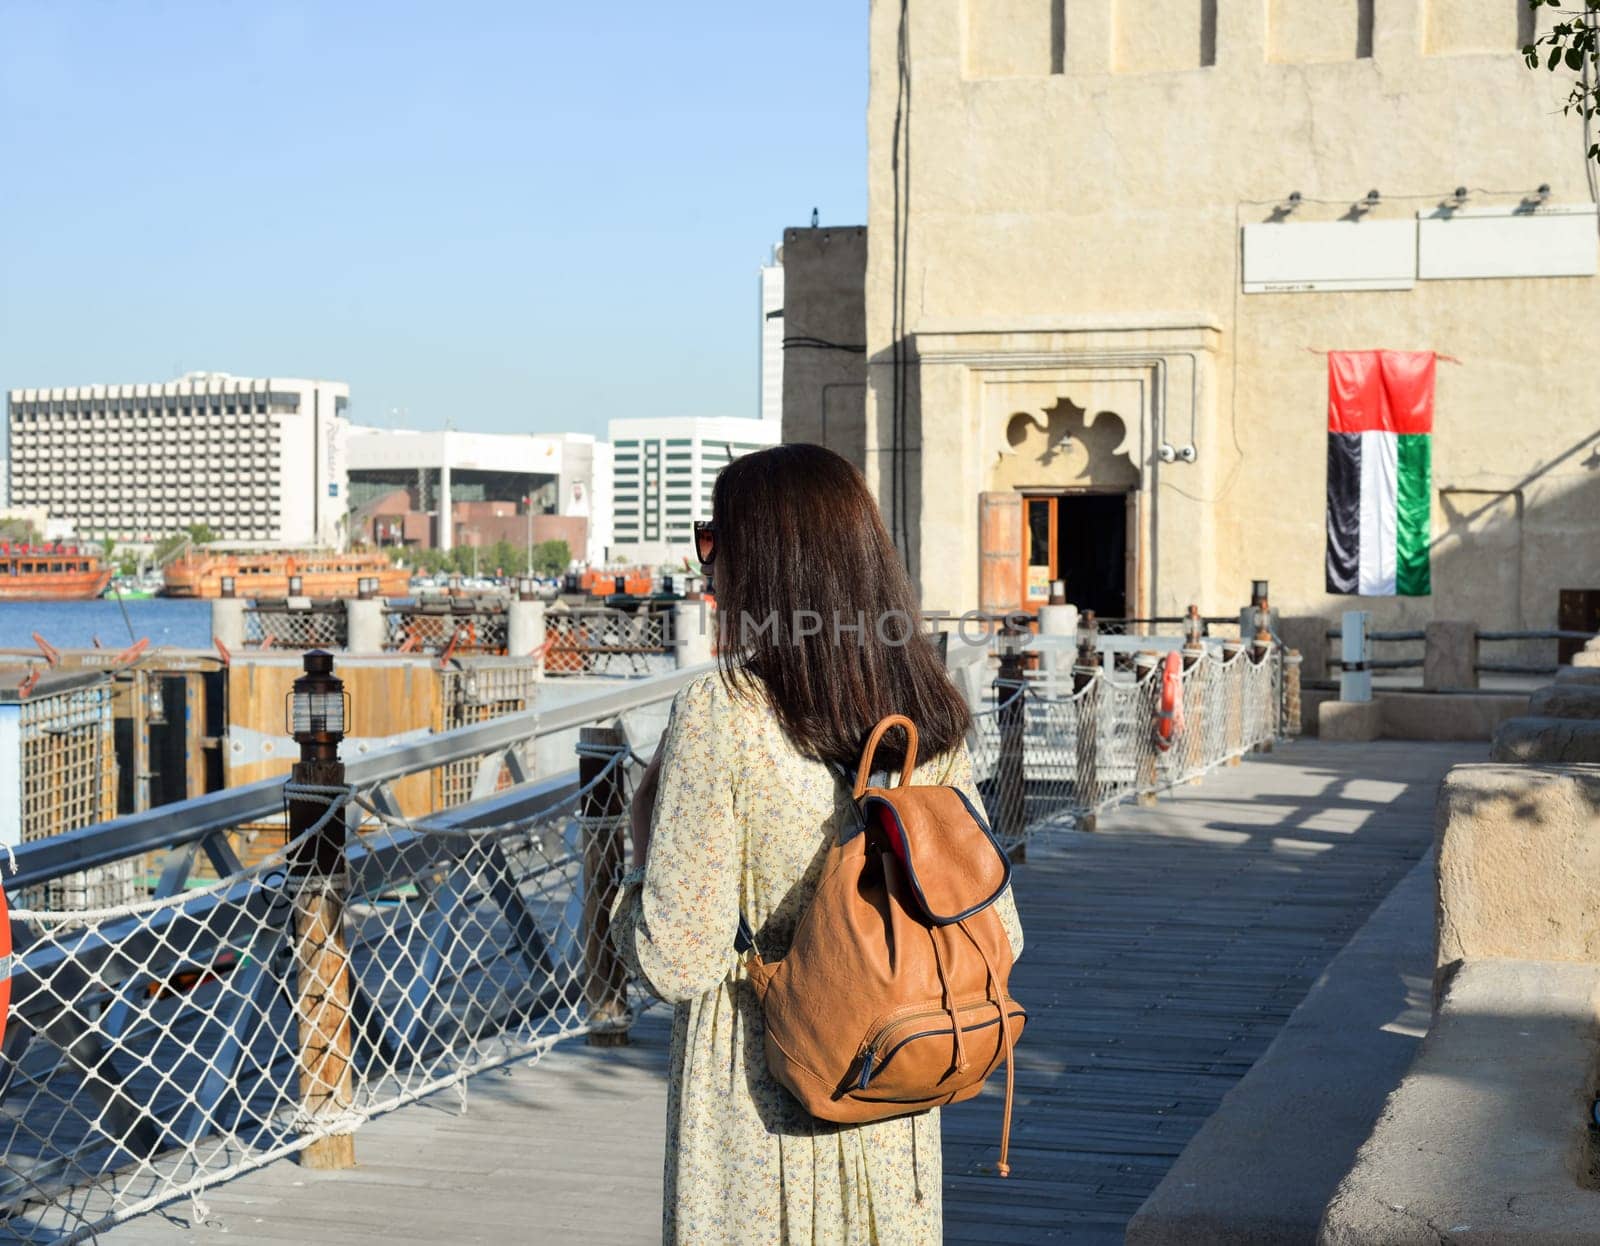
x=1330 y=255
x=1499 y=242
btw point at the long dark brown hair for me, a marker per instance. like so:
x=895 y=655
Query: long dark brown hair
x=800 y=546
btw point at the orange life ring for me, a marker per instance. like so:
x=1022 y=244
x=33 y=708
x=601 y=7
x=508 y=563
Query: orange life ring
x=5 y=951
x=1169 y=714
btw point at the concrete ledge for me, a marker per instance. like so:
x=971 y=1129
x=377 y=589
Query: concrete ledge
x=1413 y=715
x=1485 y=1138
x=1578 y=675
x=1349 y=720
x=1519 y=864
x=1566 y=701
x=1446 y=716
x=1265 y=1164
x=1546 y=740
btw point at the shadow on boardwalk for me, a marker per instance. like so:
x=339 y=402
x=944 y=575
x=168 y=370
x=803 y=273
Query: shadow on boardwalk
x=1164 y=954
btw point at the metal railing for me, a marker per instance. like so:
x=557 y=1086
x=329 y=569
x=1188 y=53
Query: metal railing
x=1056 y=752
x=157 y=1048
x=1530 y=640
x=601 y=640
x=154 y=1049
x=277 y=625
x=459 y=627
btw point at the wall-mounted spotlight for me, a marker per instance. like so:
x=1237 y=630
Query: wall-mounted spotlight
x=1543 y=192
x=1168 y=452
x=1372 y=198
x=1188 y=454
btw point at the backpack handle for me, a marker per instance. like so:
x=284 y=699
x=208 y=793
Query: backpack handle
x=864 y=772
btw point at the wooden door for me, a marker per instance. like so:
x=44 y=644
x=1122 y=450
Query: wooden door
x=1000 y=552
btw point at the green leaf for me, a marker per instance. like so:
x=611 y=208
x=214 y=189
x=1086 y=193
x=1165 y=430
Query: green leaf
x=1555 y=58
x=1574 y=58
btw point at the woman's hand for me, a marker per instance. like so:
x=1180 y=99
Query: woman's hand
x=643 y=808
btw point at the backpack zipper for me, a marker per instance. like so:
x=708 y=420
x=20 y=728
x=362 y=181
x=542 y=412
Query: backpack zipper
x=870 y=1061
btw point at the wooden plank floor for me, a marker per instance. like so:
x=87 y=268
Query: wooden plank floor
x=1164 y=953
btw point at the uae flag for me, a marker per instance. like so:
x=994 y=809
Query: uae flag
x=1380 y=442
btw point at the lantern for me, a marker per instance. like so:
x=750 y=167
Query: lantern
x=318 y=708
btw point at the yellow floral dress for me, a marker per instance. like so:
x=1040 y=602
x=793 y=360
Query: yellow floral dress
x=743 y=821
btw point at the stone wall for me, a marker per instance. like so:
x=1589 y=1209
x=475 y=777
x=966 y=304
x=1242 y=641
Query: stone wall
x=825 y=331
x=1065 y=227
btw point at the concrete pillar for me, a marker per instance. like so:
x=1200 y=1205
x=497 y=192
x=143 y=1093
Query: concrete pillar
x=693 y=626
x=1355 y=652
x=227 y=621
x=524 y=628
x=1450 y=655
x=365 y=631
x=1057 y=620
x=446 y=531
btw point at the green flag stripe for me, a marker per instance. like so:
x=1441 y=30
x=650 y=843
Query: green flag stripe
x=1413 y=506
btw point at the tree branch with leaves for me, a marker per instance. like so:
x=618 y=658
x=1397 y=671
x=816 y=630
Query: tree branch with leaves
x=1572 y=43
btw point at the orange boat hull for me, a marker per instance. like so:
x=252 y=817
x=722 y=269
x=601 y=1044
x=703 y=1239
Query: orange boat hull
x=254 y=580
x=55 y=586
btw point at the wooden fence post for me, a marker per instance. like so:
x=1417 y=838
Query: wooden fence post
x=1010 y=770
x=317 y=878
x=600 y=818
x=1086 y=680
x=1143 y=665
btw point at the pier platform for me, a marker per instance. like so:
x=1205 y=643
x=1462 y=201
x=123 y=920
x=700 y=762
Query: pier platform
x=1165 y=952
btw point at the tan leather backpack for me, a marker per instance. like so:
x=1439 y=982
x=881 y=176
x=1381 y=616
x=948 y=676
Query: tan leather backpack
x=892 y=998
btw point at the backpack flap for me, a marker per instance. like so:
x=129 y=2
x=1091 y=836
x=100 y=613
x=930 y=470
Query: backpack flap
x=952 y=860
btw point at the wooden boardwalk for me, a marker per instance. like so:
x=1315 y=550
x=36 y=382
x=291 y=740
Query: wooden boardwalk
x=1164 y=953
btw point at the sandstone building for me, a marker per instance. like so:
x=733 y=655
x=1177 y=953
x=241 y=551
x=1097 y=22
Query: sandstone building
x=1109 y=246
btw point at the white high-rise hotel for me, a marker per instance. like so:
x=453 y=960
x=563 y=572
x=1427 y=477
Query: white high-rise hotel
x=771 y=347
x=257 y=460
x=662 y=474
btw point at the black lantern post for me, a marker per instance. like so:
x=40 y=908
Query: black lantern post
x=318 y=712
x=318 y=708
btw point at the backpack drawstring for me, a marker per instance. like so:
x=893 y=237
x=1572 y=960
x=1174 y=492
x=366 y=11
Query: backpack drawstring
x=962 y=1063
x=1004 y=1166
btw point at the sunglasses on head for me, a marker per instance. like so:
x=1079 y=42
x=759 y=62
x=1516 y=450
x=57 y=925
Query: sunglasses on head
x=705 y=541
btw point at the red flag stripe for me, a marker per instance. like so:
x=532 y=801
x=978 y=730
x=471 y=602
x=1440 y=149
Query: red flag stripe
x=1388 y=391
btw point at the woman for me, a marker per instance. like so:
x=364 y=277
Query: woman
x=817 y=642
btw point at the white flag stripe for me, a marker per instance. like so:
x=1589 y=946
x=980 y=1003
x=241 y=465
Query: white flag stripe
x=1380 y=490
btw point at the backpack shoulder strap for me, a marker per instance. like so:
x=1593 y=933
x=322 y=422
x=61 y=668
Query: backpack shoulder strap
x=744 y=939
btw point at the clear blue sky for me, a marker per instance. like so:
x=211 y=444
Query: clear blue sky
x=515 y=216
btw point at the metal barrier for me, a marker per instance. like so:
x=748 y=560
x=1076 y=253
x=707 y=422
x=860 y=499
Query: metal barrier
x=157 y=1048
x=588 y=641
x=277 y=625
x=1528 y=640
x=457 y=628
x=1047 y=758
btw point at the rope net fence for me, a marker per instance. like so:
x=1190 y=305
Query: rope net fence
x=158 y=1048
x=1049 y=756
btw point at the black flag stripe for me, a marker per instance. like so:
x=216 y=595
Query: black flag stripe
x=1344 y=512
